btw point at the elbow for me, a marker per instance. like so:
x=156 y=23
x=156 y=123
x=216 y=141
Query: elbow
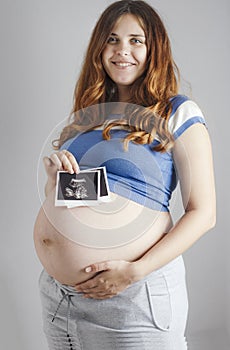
x=212 y=215
x=205 y=217
x=212 y=222
x=209 y=219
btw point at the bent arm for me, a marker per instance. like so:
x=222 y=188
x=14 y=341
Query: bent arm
x=192 y=155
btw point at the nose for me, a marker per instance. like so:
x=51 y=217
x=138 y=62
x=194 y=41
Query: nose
x=122 y=49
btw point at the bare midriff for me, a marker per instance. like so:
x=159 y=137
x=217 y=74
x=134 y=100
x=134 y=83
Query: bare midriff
x=66 y=242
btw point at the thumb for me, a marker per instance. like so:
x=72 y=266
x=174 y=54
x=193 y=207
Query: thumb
x=97 y=267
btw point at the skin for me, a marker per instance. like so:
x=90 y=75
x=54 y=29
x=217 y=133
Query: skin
x=195 y=173
x=124 y=57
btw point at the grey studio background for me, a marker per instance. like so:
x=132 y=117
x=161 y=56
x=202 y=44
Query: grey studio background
x=42 y=46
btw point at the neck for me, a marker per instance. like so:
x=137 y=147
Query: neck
x=123 y=93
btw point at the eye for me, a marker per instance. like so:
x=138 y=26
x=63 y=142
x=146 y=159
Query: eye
x=112 y=40
x=137 y=41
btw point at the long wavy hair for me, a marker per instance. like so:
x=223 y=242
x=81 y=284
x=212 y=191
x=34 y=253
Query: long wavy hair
x=153 y=90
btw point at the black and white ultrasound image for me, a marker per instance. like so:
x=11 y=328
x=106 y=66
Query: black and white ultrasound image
x=82 y=186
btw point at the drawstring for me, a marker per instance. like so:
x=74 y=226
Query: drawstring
x=68 y=296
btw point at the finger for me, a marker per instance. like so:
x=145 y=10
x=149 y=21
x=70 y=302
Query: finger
x=100 y=292
x=56 y=161
x=72 y=160
x=99 y=296
x=97 y=267
x=61 y=161
x=97 y=284
x=47 y=162
x=69 y=162
x=86 y=286
x=95 y=290
x=66 y=164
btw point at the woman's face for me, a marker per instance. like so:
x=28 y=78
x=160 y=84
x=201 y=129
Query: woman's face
x=125 y=55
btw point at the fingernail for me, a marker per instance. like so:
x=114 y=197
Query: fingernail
x=88 y=269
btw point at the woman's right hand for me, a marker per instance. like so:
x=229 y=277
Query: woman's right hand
x=61 y=160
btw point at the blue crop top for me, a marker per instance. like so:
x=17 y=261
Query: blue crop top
x=140 y=174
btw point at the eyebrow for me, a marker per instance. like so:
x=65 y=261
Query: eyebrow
x=143 y=36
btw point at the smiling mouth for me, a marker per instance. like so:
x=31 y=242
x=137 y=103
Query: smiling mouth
x=123 y=64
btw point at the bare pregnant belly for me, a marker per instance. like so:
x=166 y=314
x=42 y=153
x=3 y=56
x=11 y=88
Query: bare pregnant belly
x=68 y=240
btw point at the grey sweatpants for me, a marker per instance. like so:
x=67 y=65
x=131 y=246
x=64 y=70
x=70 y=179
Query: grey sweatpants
x=150 y=314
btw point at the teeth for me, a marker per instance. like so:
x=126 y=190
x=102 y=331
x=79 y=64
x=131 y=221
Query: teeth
x=120 y=64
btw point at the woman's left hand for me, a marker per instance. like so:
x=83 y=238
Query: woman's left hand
x=114 y=277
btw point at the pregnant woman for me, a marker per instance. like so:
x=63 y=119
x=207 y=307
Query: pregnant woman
x=113 y=275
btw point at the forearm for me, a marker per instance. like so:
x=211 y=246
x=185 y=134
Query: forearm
x=183 y=235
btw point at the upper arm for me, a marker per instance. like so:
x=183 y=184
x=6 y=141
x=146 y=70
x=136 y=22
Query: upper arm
x=192 y=154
